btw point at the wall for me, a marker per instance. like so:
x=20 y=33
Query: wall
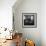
x=28 y=6
x=43 y=22
x=6 y=13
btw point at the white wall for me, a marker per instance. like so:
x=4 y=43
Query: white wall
x=43 y=22
x=6 y=13
x=28 y=6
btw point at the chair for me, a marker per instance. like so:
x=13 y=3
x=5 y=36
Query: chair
x=29 y=43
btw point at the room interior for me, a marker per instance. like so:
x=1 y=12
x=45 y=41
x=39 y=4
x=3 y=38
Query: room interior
x=13 y=32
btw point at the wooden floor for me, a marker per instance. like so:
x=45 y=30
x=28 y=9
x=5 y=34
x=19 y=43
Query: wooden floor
x=9 y=43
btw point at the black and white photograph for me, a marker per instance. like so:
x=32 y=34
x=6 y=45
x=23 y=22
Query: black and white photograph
x=29 y=19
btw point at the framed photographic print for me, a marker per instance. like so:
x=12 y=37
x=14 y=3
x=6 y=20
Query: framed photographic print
x=29 y=20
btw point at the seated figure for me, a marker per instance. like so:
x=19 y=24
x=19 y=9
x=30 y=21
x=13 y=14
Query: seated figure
x=18 y=39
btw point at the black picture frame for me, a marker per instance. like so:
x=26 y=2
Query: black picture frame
x=29 y=20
